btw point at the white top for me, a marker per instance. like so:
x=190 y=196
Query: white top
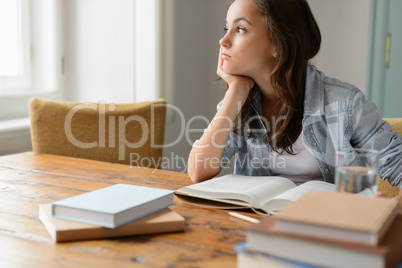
x=300 y=167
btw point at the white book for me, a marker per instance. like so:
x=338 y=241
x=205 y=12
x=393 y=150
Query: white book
x=247 y=258
x=113 y=206
x=263 y=194
x=60 y=230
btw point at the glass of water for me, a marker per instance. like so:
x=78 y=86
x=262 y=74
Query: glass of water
x=356 y=171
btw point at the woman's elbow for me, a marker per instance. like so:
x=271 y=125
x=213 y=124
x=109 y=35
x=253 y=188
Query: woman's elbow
x=201 y=171
x=195 y=176
x=198 y=175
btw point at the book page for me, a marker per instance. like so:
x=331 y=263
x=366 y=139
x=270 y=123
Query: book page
x=306 y=187
x=292 y=195
x=231 y=188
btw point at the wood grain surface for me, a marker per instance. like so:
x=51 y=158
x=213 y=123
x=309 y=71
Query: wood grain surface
x=27 y=180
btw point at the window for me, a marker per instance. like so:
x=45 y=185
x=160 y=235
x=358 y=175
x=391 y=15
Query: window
x=30 y=54
x=9 y=52
x=15 y=71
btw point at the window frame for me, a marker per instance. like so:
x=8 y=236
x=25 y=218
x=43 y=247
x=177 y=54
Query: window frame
x=22 y=82
x=14 y=100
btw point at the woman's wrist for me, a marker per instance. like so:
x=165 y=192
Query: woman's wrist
x=237 y=92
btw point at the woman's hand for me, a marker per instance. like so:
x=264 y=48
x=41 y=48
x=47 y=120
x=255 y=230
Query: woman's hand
x=204 y=161
x=237 y=83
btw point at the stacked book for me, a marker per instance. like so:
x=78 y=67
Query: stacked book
x=114 y=211
x=327 y=230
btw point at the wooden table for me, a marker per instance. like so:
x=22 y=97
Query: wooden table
x=27 y=180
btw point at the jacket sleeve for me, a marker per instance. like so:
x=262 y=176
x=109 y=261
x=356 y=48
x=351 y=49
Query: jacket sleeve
x=371 y=132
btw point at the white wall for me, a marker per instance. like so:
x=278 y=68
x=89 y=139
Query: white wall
x=345 y=44
x=198 y=26
x=147 y=44
x=111 y=50
x=15 y=136
x=99 y=50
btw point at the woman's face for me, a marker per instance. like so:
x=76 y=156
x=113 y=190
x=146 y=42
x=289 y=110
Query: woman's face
x=246 y=48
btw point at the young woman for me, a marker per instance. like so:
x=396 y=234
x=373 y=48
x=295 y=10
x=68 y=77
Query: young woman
x=279 y=114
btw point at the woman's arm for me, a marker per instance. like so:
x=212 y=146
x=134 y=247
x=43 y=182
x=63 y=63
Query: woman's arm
x=205 y=158
x=399 y=199
x=371 y=132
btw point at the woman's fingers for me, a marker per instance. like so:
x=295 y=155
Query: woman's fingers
x=240 y=82
x=219 y=70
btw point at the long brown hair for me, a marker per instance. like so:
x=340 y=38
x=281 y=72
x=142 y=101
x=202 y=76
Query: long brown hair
x=297 y=37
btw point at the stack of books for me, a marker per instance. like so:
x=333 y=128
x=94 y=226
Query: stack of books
x=114 y=211
x=327 y=230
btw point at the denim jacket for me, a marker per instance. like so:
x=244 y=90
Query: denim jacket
x=336 y=116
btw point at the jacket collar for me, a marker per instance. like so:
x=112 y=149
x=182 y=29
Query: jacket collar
x=314 y=92
x=313 y=96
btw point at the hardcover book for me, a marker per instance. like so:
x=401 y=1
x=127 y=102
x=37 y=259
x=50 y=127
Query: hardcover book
x=60 y=230
x=265 y=238
x=113 y=206
x=340 y=216
x=247 y=258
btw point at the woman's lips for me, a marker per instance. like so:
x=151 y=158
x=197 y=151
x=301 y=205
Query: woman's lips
x=225 y=56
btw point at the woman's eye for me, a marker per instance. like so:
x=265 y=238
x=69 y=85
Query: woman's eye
x=240 y=30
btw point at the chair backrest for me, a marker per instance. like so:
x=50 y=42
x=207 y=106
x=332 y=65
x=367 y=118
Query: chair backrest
x=383 y=185
x=396 y=124
x=130 y=134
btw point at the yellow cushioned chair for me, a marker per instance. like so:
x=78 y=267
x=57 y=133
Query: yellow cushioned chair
x=383 y=185
x=130 y=134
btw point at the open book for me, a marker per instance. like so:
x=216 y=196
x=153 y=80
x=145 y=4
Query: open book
x=264 y=195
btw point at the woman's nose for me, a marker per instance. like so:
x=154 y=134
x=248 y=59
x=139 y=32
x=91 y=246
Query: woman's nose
x=224 y=42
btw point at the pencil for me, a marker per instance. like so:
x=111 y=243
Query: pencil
x=243 y=217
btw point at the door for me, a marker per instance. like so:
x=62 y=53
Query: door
x=386 y=86
x=392 y=102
